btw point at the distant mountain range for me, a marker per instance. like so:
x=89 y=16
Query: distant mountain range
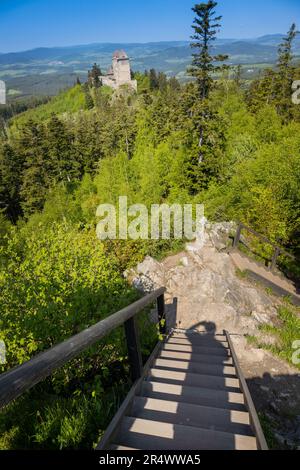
x=47 y=70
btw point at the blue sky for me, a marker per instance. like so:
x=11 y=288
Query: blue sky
x=26 y=24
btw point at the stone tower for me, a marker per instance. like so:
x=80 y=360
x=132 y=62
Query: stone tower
x=119 y=74
x=121 y=67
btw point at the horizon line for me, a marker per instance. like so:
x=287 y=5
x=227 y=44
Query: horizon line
x=137 y=43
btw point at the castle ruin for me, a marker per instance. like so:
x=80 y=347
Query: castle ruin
x=119 y=73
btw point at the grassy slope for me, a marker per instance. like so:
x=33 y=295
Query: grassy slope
x=70 y=101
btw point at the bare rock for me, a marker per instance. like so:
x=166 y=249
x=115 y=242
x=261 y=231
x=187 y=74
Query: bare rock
x=261 y=318
x=149 y=266
x=219 y=234
x=205 y=283
x=184 y=261
x=148 y=275
x=267 y=339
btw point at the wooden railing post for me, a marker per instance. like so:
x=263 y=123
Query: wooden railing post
x=254 y=420
x=237 y=237
x=134 y=348
x=22 y=378
x=161 y=314
x=275 y=258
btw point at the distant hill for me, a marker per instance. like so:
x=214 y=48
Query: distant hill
x=45 y=71
x=274 y=40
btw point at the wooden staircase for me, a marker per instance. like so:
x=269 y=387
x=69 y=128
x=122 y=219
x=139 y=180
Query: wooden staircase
x=192 y=396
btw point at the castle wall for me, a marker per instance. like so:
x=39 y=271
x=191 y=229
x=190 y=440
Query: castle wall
x=108 y=81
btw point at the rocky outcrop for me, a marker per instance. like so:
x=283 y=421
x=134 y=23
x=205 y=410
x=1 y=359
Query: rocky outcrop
x=204 y=284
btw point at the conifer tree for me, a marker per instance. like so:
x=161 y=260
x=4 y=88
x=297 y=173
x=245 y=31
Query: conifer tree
x=285 y=53
x=162 y=81
x=206 y=25
x=262 y=91
x=61 y=163
x=275 y=86
x=35 y=178
x=94 y=76
x=153 y=79
x=285 y=74
x=11 y=167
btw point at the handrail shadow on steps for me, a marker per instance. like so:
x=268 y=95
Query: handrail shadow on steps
x=22 y=378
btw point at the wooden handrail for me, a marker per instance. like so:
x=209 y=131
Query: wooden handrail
x=278 y=250
x=254 y=420
x=22 y=378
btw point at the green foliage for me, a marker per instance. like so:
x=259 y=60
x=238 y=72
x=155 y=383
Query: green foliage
x=54 y=282
x=12 y=109
x=262 y=178
x=268 y=429
x=43 y=420
x=70 y=101
x=286 y=332
x=275 y=87
x=5 y=227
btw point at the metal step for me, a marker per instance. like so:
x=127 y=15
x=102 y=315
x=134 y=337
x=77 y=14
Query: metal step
x=155 y=435
x=192 y=415
x=194 y=395
x=196 y=367
x=194 y=380
x=202 y=358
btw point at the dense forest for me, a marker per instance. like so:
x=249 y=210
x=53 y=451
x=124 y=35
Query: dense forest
x=233 y=146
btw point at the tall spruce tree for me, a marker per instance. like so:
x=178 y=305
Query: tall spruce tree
x=285 y=53
x=206 y=25
x=285 y=74
x=206 y=121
